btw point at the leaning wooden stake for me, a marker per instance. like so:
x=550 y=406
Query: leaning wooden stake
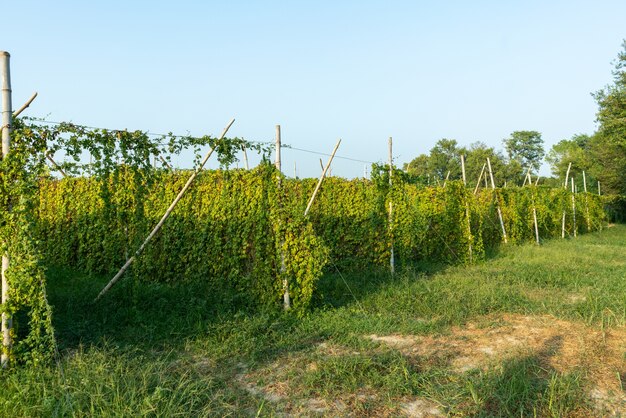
x=480 y=178
x=319 y=182
x=55 y=165
x=493 y=187
x=166 y=214
x=28 y=102
x=446 y=179
x=535 y=220
x=281 y=254
x=6 y=326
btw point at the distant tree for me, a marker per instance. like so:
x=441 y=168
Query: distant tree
x=418 y=166
x=476 y=156
x=612 y=103
x=445 y=157
x=607 y=148
x=526 y=148
x=574 y=151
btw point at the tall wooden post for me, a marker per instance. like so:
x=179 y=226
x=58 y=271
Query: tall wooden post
x=565 y=187
x=493 y=187
x=574 y=207
x=5 y=75
x=392 y=261
x=586 y=202
x=463 y=169
x=283 y=268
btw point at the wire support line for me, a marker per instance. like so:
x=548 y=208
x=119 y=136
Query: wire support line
x=327 y=155
x=171 y=135
x=347 y=285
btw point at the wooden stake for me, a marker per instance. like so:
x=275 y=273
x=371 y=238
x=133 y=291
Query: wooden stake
x=28 y=102
x=565 y=187
x=493 y=187
x=463 y=169
x=7 y=321
x=165 y=164
x=58 y=167
x=319 y=183
x=446 y=179
x=574 y=207
x=586 y=202
x=535 y=221
x=245 y=157
x=392 y=260
x=166 y=214
x=480 y=178
x=599 y=194
x=281 y=254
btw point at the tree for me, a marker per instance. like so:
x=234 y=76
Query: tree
x=575 y=151
x=444 y=158
x=526 y=148
x=476 y=156
x=608 y=146
x=612 y=103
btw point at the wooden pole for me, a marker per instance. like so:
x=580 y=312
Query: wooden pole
x=480 y=178
x=319 y=183
x=28 y=102
x=166 y=215
x=7 y=321
x=535 y=221
x=493 y=187
x=392 y=260
x=574 y=207
x=599 y=194
x=321 y=165
x=586 y=202
x=565 y=187
x=281 y=255
x=245 y=157
x=463 y=169
x=527 y=177
x=58 y=167
x=446 y=179
x=165 y=164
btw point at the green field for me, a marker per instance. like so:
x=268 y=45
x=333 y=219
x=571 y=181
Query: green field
x=531 y=331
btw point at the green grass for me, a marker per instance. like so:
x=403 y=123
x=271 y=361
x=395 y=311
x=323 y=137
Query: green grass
x=180 y=350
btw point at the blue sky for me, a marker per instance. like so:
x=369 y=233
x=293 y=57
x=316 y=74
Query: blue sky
x=362 y=71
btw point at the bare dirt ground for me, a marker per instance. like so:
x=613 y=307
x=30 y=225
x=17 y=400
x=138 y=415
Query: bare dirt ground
x=559 y=345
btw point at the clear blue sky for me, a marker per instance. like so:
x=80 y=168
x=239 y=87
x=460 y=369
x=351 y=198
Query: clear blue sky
x=358 y=70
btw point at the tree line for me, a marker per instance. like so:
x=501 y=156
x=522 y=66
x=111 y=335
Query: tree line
x=601 y=155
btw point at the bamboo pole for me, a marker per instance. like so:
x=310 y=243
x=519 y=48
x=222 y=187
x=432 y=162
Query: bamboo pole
x=281 y=254
x=467 y=211
x=25 y=105
x=493 y=187
x=586 y=202
x=599 y=194
x=574 y=207
x=527 y=177
x=319 y=183
x=535 y=220
x=446 y=179
x=7 y=321
x=565 y=187
x=463 y=169
x=480 y=178
x=58 y=167
x=165 y=163
x=245 y=157
x=392 y=260
x=166 y=215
